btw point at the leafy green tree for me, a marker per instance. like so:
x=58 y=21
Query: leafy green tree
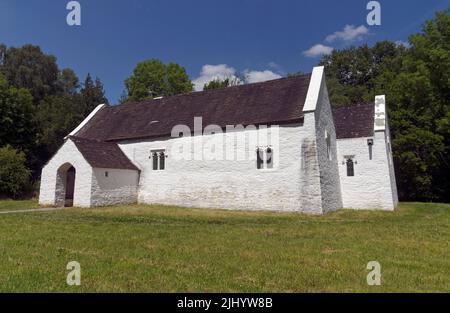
x=28 y=67
x=16 y=117
x=221 y=83
x=56 y=116
x=352 y=73
x=153 y=78
x=14 y=175
x=68 y=82
x=92 y=94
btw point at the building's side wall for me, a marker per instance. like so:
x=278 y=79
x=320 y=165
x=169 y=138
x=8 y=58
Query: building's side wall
x=370 y=188
x=391 y=165
x=117 y=186
x=231 y=184
x=68 y=153
x=329 y=172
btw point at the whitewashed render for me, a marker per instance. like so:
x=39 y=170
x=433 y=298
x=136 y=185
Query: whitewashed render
x=307 y=173
x=373 y=184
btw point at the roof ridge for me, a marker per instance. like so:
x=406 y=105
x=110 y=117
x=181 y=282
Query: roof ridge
x=191 y=93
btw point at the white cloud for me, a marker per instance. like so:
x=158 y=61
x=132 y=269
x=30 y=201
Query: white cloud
x=349 y=33
x=318 y=50
x=212 y=72
x=222 y=71
x=260 y=76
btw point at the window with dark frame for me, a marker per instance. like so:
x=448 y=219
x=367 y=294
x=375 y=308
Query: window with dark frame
x=350 y=167
x=269 y=158
x=264 y=158
x=162 y=160
x=158 y=159
x=155 y=160
x=259 y=159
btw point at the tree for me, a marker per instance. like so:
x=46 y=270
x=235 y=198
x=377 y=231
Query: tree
x=58 y=115
x=222 y=83
x=14 y=175
x=352 y=73
x=28 y=67
x=68 y=82
x=153 y=78
x=16 y=117
x=92 y=94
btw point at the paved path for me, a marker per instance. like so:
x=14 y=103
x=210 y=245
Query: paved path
x=31 y=210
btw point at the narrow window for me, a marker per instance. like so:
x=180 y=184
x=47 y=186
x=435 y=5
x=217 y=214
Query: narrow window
x=155 y=160
x=259 y=159
x=328 y=141
x=370 y=144
x=162 y=160
x=269 y=158
x=106 y=174
x=350 y=169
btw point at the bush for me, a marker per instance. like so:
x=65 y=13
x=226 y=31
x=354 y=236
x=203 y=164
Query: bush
x=14 y=175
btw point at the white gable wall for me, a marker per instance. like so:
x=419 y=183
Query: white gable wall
x=320 y=176
x=329 y=172
x=68 y=153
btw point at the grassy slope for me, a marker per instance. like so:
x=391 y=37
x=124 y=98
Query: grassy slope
x=156 y=248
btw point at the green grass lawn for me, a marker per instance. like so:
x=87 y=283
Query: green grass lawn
x=13 y=205
x=160 y=248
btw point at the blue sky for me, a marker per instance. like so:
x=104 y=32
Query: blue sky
x=258 y=38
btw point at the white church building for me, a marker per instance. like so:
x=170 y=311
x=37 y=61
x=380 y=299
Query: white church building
x=274 y=145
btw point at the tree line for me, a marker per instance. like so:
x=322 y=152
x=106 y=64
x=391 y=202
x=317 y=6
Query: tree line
x=40 y=104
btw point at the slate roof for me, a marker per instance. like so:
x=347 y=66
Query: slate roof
x=103 y=154
x=276 y=101
x=354 y=121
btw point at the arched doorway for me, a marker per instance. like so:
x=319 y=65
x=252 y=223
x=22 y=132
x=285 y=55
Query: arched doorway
x=70 y=186
x=65 y=185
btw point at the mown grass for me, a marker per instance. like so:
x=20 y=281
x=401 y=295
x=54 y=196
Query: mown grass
x=13 y=205
x=171 y=249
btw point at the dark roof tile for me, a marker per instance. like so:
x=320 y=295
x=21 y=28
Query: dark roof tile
x=269 y=102
x=103 y=154
x=354 y=121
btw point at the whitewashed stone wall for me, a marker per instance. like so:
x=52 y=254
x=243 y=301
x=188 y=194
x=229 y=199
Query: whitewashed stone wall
x=329 y=172
x=371 y=187
x=310 y=190
x=230 y=184
x=391 y=164
x=320 y=176
x=68 y=153
x=119 y=186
